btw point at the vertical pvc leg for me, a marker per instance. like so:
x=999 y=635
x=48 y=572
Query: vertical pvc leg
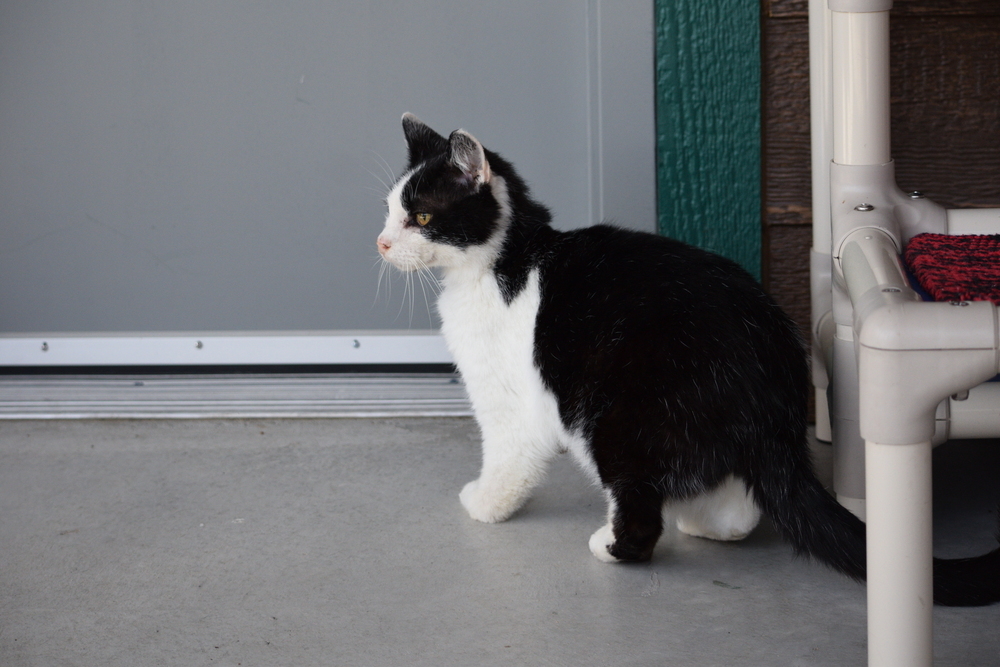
x=861 y=133
x=848 y=445
x=900 y=570
x=824 y=432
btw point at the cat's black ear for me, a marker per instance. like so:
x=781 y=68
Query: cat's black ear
x=422 y=141
x=469 y=156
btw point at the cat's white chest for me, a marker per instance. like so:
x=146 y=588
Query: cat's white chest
x=493 y=343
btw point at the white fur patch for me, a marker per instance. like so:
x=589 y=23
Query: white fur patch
x=601 y=542
x=493 y=345
x=604 y=537
x=726 y=513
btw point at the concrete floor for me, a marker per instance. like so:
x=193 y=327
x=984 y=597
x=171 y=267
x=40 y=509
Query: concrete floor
x=342 y=542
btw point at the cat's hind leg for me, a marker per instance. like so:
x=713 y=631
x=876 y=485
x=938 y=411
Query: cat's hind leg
x=635 y=523
x=727 y=512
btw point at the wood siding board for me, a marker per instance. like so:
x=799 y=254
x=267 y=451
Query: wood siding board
x=800 y=8
x=786 y=191
x=946 y=108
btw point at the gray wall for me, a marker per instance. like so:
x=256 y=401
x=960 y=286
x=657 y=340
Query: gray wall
x=219 y=165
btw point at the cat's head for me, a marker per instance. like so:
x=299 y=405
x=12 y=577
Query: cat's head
x=450 y=208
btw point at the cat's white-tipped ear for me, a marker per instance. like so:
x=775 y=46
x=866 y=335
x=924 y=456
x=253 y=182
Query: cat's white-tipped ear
x=468 y=155
x=422 y=142
x=413 y=126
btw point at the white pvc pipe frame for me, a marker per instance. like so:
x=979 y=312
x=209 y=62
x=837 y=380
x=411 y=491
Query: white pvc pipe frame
x=910 y=355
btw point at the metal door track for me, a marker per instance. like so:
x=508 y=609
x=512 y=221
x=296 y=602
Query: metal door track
x=237 y=396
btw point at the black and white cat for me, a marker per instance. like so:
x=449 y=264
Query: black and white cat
x=673 y=379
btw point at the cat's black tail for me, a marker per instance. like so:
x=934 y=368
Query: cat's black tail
x=967 y=582
x=818 y=526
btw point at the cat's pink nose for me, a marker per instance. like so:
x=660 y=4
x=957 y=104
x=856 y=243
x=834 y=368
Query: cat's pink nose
x=383 y=245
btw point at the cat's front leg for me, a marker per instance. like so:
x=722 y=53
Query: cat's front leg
x=511 y=470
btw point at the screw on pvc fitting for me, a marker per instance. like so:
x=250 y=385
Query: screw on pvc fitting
x=864 y=208
x=963 y=304
x=916 y=194
x=891 y=290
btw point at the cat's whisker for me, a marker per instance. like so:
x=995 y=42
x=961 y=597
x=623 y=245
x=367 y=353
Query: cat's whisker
x=428 y=281
x=378 y=191
x=383 y=164
x=419 y=181
x=383 y=265
x=412 y=294
x=385 y=186
x=407 y=291
x=386 y=167
x=421 y=275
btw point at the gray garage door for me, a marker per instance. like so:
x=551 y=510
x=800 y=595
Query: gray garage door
x=201 y=182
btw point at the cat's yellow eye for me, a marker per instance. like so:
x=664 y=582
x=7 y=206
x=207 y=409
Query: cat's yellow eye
x=423 y=219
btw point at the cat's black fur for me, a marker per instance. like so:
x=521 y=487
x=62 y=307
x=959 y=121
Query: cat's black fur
x=672 y=361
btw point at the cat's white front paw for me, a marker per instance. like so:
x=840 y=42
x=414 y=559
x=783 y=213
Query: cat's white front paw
x=483 y=506
x=600 y=543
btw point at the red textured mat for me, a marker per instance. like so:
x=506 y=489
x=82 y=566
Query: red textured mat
x=956 y=268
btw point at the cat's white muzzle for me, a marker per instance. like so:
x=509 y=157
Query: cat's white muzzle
x=407 y=251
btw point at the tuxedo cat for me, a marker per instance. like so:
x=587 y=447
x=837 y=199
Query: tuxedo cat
x=666 y=371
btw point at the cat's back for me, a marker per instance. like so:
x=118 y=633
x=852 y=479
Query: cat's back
x=614 y=299
x=626 y=268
